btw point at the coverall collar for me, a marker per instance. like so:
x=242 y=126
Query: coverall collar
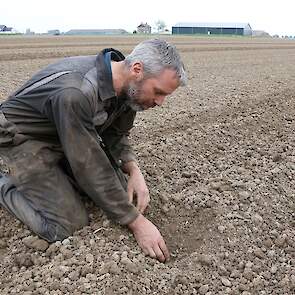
x=104 y=77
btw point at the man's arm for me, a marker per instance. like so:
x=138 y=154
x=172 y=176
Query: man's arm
x=71 y=113
x=116 y=139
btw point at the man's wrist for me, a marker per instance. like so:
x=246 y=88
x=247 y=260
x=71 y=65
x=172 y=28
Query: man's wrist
x=130 y=167
x=135 y=223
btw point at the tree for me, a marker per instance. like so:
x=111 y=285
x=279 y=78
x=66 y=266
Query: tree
x=160 y=25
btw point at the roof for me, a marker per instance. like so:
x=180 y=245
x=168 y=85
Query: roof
x=142 y=25
x=214 y=25
x=97 y=31
x=2 y=27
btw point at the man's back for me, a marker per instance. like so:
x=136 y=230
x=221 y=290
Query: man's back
x=29 y=107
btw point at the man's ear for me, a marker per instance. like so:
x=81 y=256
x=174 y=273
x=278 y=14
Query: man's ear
x=137 y=71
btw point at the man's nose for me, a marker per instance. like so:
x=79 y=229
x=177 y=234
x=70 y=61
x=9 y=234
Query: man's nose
x=159 y=100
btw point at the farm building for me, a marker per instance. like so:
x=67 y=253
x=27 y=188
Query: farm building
x=213 y=28
x=53 y=32
x=5 y=29
x=144 y=28
x=97 y=32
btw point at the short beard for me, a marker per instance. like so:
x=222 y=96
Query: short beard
x=132 y=93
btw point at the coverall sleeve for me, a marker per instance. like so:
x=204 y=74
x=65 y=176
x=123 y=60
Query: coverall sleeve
x=72 y=114
x=116 y=137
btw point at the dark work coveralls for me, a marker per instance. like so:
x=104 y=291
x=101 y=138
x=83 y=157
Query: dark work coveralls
x=63 y=132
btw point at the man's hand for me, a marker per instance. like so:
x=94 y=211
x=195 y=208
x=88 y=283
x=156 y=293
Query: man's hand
x=149 y=238
x=137 y=186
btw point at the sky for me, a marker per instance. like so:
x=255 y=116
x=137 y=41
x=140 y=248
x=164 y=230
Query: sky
x=272 y=16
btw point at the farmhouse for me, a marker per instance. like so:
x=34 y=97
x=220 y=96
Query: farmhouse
x=213 y=28
x=144 y=28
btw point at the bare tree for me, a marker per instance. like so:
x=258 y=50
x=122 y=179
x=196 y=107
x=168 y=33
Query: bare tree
x=160 y=25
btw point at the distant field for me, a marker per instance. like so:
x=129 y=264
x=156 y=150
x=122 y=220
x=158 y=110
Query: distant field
x=20 y=56
x=21 y=47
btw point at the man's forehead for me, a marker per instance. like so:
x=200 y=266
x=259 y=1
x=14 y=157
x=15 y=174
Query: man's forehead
x=168 y=79
x=170 y=72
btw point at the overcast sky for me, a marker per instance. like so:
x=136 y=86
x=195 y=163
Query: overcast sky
x=273 y=16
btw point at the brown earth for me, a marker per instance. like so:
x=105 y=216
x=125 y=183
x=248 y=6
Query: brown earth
x=219 y=160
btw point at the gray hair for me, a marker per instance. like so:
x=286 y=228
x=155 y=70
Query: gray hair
x=157 y=55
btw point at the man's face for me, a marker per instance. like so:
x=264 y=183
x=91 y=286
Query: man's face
x=151 y=92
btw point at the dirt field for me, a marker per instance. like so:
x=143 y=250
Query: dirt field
x=219 y=160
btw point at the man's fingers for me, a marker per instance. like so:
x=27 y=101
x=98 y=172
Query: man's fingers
x=152 y=253
x=158 y=251
x=145 y=250
x=149 y=252
x=160 y=255
x=164 y=249
x=149 y=238
x=142 y=202
x=141 y=206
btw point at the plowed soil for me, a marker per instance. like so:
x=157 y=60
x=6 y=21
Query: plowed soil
x=219 y=161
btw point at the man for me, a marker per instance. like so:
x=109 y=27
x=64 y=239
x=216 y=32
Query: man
x=64 y=133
